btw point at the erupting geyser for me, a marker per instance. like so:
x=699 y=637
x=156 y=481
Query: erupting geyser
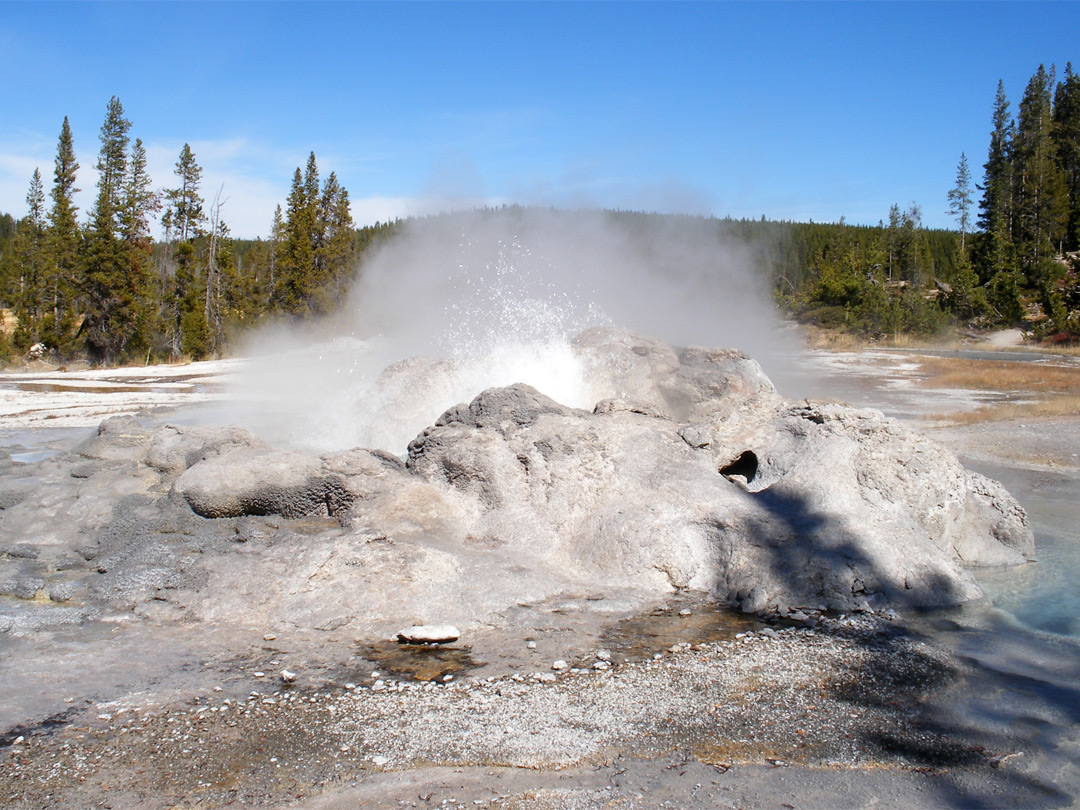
x=473 y=301
x=569 y=457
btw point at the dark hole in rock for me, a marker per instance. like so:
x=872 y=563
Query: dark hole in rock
x=745 y=465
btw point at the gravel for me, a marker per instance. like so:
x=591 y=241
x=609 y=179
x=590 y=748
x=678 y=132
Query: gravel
x=844 y=695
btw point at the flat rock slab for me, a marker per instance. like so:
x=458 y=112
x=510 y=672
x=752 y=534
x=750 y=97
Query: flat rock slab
x=429 y=634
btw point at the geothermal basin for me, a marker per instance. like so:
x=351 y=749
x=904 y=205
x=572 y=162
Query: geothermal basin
x=164 y=610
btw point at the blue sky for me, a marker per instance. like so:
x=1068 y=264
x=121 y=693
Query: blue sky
x=795 y=111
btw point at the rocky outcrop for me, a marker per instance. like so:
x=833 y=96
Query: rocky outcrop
x=770 y=505
x=693 y=473
x=690 y=473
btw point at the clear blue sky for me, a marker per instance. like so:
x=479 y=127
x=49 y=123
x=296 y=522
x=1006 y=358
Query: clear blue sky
x=795 y=111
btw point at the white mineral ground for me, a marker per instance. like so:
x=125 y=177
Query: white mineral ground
x=663 y=710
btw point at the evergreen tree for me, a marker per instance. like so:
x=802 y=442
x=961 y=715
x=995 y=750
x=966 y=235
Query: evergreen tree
x=995 y=207
x=296 y=264
x=30 y=264
x=277 y=237
x=63 y=250
x=112 y=168
x=959 y=197
x=315 y=252
x=1066 y=135
x=184 y=298
x=965 y=298
x=1039 y=186
x=138 y=200
x=35 y=200
x=116 y=289
x=906 y=250
x=184 y=205
x=335 y=246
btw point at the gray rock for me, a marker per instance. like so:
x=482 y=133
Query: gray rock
x=691 y=473
x=175 y=448
x=23 y=551
x=248 y=480
x=22 y=587
x=627 y=406
x=10 y=496
x=61 y=591
x=794 y=503
x=117 y=438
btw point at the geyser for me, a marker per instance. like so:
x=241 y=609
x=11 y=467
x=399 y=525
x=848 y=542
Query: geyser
x=493 y=298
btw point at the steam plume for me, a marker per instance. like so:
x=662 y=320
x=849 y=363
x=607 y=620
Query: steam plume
x=497 y=296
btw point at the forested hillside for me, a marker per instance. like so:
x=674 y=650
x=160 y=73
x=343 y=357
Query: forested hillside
x=98 y=286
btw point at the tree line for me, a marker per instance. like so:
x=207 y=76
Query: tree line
x=1014 y=259
x=103 y=288
x=1025 y=250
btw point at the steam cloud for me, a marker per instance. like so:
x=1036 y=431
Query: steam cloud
x=497 y=296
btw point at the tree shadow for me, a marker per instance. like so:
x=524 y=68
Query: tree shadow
x=988 y=729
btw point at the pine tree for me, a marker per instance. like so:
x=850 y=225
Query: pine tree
x=335 y=248
x=63 y=250
x=1039 y=187
x=138 y=200
x=959 y=197
x=965 y=298
x=112 y=168
x=116 y=289
x=1066 y=135
x=185 y=206
x=906 y=250
x=277 y=237
x=995 y=207
x=183 y=305
x=315 y=250
x=296 y=263
x=35 y=200
x=30 y=263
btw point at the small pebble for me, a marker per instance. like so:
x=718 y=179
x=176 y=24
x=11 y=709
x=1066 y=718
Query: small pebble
x=269 y=637
x=559 y=665
x=684 y=612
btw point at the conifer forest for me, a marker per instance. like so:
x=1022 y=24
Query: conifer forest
x=97 y=285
